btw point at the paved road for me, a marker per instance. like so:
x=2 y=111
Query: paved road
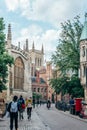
x=57 y=120
x=44 y=119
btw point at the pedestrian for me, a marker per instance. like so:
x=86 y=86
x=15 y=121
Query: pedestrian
x=29 y=107
x=21 y=104
x=72 y=106
x=40 y=102
x=33 y=102
x=13 y=111
x=71 y=101
x=48 y=103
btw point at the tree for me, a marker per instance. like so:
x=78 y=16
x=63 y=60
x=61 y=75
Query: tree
x=67 y=54
x=37 y=96
x=67 y=58
x=66 y=85
x=60 y=84
x=5 y=59
x=75 y=88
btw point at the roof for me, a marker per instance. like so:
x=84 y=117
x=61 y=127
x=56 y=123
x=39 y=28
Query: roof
x=34 y=80
x=84 y=30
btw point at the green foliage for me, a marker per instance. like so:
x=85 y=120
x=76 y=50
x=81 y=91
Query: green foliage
x=68 y=85
x=67 y=54
x=37 y=96
x=5 y=59
x=67 y=58
x=60 y=84
x=75 y=87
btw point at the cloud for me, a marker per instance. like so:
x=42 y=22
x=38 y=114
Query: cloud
x=49 y=38
x=47 y=10
x=12 y=5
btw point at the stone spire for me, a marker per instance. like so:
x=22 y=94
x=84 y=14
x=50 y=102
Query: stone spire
x=33 y=46
x=27 y=45
x=9 y=36
x=19 y=45
x=42 y=49
x=84 y=30
x=24 y=47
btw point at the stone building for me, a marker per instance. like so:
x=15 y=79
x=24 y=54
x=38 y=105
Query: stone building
x=83 y=57
x=47 y=73
x=36 y=58
x=26 y=63
x=19 y=78
x=39 y=86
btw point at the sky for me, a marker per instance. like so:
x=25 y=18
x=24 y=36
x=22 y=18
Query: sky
x=39 y=21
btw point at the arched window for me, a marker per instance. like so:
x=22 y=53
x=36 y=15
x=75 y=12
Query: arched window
x=18 y=74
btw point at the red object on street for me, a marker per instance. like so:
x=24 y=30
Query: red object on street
x=78 y=104
x=83 y=113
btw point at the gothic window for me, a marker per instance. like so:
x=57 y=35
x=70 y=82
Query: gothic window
x=41 y=89
x=34 y=89
x=38 y=90
x=18 y=74
x=83 y=51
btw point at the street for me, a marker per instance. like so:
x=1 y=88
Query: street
x=44 y=119
x=57 y=120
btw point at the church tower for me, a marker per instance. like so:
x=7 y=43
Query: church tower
x=83 y=57
x=27 y=45
x=42 y=49
x=9 y=37
x=33 y=48
x=36 y=59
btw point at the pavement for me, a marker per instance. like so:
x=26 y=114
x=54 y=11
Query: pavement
x=67 y=113
x=35 y=123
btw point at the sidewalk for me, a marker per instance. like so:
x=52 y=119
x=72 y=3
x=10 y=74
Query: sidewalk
x=34 y=124
x=67 y=113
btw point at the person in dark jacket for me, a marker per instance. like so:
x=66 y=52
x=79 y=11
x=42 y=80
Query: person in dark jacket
x=71 y=102
x=13 y=110
x=21 y=109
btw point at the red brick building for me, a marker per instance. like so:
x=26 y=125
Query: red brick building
x=40 y=86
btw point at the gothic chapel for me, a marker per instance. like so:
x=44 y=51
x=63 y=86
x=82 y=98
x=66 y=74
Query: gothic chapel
x=25 y=63
x=19 y=81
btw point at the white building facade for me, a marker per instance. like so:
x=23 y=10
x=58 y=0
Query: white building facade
x=83 y=58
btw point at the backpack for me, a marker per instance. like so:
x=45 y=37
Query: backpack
x=14 y=107
x=21 y=105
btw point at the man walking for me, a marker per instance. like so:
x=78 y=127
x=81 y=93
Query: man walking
x=13 y=110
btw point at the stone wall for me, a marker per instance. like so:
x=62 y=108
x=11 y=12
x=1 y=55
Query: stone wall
x=3 y=97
